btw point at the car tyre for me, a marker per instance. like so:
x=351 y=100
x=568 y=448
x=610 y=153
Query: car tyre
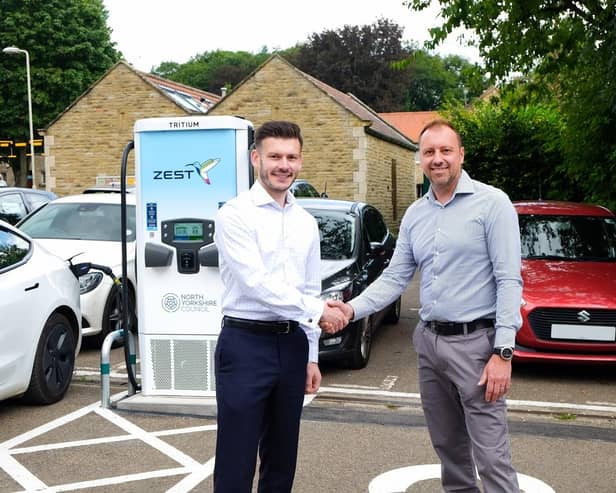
x=363 y=345
x=112 y=317
x=393 y=314
x=54 y=362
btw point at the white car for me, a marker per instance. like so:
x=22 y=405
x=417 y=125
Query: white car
x=40 y=333
x=87 y=228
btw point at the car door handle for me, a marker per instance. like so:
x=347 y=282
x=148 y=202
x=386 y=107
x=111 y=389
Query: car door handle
x=34 y=286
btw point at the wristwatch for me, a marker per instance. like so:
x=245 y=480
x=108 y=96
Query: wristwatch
x=505 y=352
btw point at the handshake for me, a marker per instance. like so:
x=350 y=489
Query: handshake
x=336 y=316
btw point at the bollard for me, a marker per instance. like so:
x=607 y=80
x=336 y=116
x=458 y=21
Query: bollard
x=106 y=366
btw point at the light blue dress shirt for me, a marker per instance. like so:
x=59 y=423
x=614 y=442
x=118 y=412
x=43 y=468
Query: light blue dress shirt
x=468 y=254
x=270 y=258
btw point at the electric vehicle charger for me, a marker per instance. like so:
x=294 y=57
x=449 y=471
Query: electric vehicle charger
x=186 y=168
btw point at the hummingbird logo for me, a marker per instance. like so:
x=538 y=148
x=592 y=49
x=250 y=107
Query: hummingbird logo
x=204 y=167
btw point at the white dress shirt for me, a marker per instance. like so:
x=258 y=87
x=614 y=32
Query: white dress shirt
x=270 y=261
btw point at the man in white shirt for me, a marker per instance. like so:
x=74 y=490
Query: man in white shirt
x=267 y=353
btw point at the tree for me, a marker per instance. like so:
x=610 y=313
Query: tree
x=570 y=49
x=359 y=60
x=436 y=80
x=515 y=143
x=521 y=35
x=69 y=47
x=211 y=71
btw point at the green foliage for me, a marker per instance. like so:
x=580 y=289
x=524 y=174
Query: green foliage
x=211 y=71
x=69 y=47
x=515 y=147
x=520 y=35
x=359 y=60
x=436 y=80
x=569 y=48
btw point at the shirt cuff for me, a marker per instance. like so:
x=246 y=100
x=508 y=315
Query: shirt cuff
x=314 y=311
x=504 y=338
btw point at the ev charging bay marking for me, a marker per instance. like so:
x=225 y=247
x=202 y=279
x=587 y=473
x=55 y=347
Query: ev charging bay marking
x=194 y=471
x=399 y=480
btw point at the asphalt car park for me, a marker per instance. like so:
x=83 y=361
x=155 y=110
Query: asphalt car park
x=364 y=432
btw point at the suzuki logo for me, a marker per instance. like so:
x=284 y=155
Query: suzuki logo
x=583 y=316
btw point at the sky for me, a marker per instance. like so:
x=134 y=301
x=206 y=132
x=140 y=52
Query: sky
x=149 y=32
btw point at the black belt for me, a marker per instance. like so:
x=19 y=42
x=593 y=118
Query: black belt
x=275 y=326
x=458 y=328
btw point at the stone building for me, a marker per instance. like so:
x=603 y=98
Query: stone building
x=411 y=123
x=349 y=151
x=84 y=144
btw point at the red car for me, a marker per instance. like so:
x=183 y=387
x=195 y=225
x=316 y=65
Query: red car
x=569 y=272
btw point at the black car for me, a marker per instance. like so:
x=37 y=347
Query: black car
x=16 y=203
x=304 y=189
x=356 y=246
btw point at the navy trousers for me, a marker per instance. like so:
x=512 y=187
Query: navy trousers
x=260 y=382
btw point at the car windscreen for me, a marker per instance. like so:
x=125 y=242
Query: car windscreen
x=589 y=238
x=337 y=231
x=80 y=221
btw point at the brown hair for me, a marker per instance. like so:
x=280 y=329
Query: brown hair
x=278 y=129
x=440 y=122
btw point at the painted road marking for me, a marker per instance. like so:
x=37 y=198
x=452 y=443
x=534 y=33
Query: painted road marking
x=511 y=403
x=399 y=480
x=194 y=472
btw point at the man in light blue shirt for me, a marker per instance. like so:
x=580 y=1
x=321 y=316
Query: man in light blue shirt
x=464 y=238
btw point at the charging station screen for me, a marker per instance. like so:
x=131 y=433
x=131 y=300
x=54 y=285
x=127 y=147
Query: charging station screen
x=188 y=232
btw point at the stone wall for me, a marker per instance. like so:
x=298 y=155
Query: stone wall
x=339 y=156
x=89 y=138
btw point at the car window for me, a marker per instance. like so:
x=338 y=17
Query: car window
x=375 y=225
x=13 y=249
x=37 y=199
x=304 y=189
x=80 y=221
x=337 y=231
x=12 y=207
x=568 y=237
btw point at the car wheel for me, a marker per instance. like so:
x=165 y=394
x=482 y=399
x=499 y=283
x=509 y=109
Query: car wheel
x=54 y=362
x=393 y=314
x=363 y=344
x=112 y=317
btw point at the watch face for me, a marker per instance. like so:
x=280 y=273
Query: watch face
x=506 y=353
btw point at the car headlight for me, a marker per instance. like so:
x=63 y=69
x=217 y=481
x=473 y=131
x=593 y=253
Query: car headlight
x=89 y=281
x=340 y=292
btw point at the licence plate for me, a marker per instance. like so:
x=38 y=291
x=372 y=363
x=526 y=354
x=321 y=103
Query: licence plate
x=584 y=332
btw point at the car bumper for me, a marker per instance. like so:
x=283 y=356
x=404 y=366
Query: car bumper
x=338 y=346
x=523 y=354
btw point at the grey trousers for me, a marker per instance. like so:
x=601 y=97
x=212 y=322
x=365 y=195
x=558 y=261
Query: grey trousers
x=466 y=431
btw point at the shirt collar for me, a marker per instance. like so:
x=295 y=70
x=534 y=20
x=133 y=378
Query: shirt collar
x=464 y=186
x=260 y=196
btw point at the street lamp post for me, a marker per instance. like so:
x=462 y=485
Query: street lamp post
x=12 y=50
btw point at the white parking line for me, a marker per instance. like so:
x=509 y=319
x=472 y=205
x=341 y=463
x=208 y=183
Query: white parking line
x=194 y=471
x=511 y=403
